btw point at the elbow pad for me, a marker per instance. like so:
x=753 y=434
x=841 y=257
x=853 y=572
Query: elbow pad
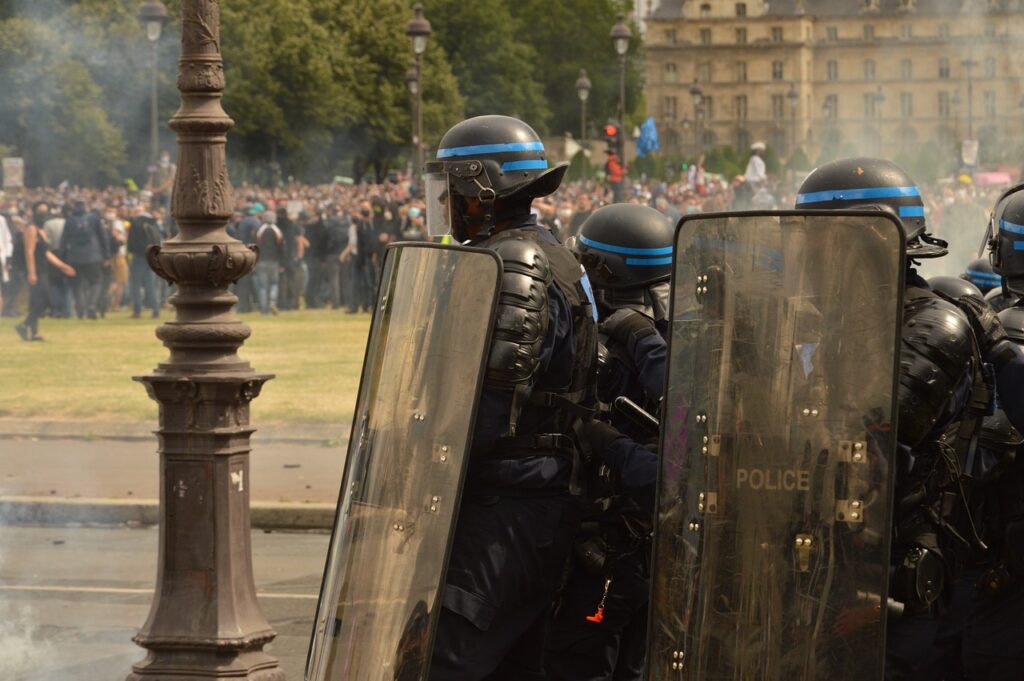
x=522 y=317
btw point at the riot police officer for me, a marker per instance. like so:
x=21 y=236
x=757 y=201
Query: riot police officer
x=599 y=627
x=980 y=273
x=994 y=632
x=518 y=514
x=945 y=391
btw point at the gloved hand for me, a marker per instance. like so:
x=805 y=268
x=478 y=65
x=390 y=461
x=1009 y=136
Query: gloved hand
x=627 y=327
x=598 y=435
x=987 y=328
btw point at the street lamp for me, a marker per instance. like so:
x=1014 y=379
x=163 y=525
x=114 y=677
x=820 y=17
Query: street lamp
x=794 y=98
x=621 y=35
x=698 y=115
x=205 y=621
x=412 y=81
x=969 y=65
x=583 y=86
x=153 y=16
x=418 y=29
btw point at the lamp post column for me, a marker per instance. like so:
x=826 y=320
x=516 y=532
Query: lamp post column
x=204 y=621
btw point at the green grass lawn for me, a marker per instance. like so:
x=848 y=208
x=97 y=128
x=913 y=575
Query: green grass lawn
x=84 y=369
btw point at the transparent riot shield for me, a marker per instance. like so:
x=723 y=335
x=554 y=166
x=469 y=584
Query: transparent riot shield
x=775 y=487
x=406 y=458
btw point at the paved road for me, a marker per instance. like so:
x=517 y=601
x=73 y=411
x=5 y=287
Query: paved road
x=71 y=598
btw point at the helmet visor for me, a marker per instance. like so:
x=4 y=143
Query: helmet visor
x=436 y=193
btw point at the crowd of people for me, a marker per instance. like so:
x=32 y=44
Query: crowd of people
x=321 y=245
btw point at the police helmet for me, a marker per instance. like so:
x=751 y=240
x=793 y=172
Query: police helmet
x=999 y=300
x=498 y=160
x=1007 y=229
x=1012 y=319
x=980 y=273
x=626 y=250
x=867 y=183
x=954 y=287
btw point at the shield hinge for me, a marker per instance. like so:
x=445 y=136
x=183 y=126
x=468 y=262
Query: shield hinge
x=434 y=504
x=707 y=503
x=850 y=511
x=803 y=544
x=852 y=451
x=678 y=660
x=711 y=445
x=702 y=286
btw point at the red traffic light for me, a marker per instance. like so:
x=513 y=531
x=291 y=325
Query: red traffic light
x=611 y=131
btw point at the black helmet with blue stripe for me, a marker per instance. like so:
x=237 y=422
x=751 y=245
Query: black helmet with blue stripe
x=852 y=183
x=980 y=273
x=1007 y=228
x=625 y=246
x=499 y=161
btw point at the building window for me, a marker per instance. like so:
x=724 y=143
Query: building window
x=906 y=104
x=670 y=37
x=705 y=11
x=671 y=75
x=869 y=33
x=741 y=36
x=944 y=31
x=906 y=69
x=907 y=31
x=741 y=9
x=944 y=68
x=944 y=108
x=776 y=70
x=832 y=34
x=870 y=105
x=990 y=67
x=741 y=107
x=707 y=108
x=778 y=107
x=669 y=110
x=741 y=71
x=869 y=69
x=990 y=31
x=776 y=34
x=832 y=70
x=704 y=72
x=831 y=108
x=705 y=36
x=990 y=104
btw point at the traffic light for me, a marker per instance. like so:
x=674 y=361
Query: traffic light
x=612 y=136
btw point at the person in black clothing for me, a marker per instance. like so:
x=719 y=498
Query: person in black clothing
x=336 y=268
x=36 y=255
x=361 y=255
x=85 y=247
x=144 y=232
x=316 y=237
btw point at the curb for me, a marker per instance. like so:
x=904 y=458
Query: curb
x=310 y=434
x=48 y=511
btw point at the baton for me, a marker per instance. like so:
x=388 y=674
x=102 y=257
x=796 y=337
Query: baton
x=637 y=415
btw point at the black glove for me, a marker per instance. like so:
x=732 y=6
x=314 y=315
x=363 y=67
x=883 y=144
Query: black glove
x=628 y=327
x=987 y=328
x=598 y=435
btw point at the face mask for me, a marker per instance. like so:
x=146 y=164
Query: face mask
x=365 y=213
x=165 y=161
x=414 y=212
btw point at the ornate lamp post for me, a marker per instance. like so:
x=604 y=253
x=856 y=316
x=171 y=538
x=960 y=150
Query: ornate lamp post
x=698 y=116
x=621 y=35
x=583 y=86
x=418 y=29
x=204 y=621
x=412 y=81
x=794 y=98
x=153 y=16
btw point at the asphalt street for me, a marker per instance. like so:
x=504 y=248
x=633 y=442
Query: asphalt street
x=72 y=598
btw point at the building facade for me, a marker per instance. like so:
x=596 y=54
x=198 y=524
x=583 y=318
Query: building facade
x=837 y=77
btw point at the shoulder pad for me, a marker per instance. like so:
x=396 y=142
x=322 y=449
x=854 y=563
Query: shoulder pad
x=1013 y=321
x=524 y=256
x=938 y=353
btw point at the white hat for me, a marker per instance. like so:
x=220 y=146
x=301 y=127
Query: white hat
x=757 y=146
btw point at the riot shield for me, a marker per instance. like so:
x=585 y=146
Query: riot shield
x=410 y=440
x=775 y=487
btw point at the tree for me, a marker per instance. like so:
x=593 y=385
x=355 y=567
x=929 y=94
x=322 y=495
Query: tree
x=574 y=34
x=52 y=112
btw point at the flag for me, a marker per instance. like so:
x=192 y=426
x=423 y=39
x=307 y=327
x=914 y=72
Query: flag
x=647 y=142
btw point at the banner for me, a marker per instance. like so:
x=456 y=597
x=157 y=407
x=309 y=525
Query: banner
x=14 y=173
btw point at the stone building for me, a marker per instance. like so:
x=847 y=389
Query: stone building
x=837 y=76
